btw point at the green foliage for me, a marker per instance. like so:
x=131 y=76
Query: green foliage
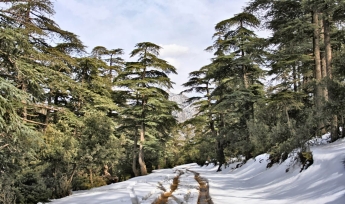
x=147 y=115
x=246 y=118
x=32 y=189
x=234 y=72
x=63 y=127
x=7 y=192
x=98 y=142
x=41 y=145
x=279 y=137
x=82 y=182
x=306 y=159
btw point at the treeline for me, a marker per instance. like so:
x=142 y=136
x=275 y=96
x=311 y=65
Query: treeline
x=72 y=120
x=303 y=63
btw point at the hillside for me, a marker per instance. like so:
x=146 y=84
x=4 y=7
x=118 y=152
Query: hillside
x=187 y=110
x=323 y=182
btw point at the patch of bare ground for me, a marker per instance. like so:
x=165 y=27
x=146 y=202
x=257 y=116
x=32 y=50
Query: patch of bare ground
x=163 y=198
x=204 y=193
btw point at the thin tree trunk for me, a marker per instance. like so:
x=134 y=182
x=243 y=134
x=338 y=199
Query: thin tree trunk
x=328 y=51
x=294 y=75
x=106 y=171
x=324 y=76
x=299 y=74
x=211 y=122
x=342 y=126
x=244 y=68
x=72 y=175
x=91 y=177
x=244 y=73
x=328 y=47
x=220 y=145
x=287 y=117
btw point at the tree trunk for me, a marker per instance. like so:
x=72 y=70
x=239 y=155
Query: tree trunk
x=324 y=76
x=219 y=146
x=294 y=75
x=342 y=126
x=244 y=68
x=318 y=92
x=220 y=154
x=322 y=128
x=334 y=128
x=141 y=150
x=245 y=77
x=220 y=143
x=299 y=74
x=135 y=151
x=106 y=171
x=317 y=68
x=328 y=47
x=91 y=178
x=211 y=122
x=328 y=53
x=141 y=158
x=72 y=175
x=323 y=61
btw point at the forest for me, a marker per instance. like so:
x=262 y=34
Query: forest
x=73 y=120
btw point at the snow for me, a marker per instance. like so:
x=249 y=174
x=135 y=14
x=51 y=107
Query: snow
x=322 y=182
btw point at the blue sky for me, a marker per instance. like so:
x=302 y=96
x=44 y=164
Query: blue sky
x=184 y=28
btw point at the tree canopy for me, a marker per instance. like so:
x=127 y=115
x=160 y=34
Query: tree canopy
x=73 y=120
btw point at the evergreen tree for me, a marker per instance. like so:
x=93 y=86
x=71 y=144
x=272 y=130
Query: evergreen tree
x=238 y=55
x=149 y=109
x=111 y=56
x=202 y=124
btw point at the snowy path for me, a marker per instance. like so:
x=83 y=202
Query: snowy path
x=144 y=190
x=323 y=182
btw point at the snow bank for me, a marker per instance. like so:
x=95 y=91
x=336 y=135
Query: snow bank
x=323 y=182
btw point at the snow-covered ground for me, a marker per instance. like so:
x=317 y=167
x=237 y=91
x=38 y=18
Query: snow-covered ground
x=323 y=182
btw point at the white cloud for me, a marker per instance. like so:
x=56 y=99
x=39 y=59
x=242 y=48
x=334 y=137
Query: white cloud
x=173 y=50
x=184 y=28
x=173 y=61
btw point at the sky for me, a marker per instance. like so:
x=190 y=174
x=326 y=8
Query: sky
x=183 y=28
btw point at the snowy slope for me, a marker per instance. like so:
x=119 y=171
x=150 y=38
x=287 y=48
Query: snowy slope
x=187 y=109
x=323 y=182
